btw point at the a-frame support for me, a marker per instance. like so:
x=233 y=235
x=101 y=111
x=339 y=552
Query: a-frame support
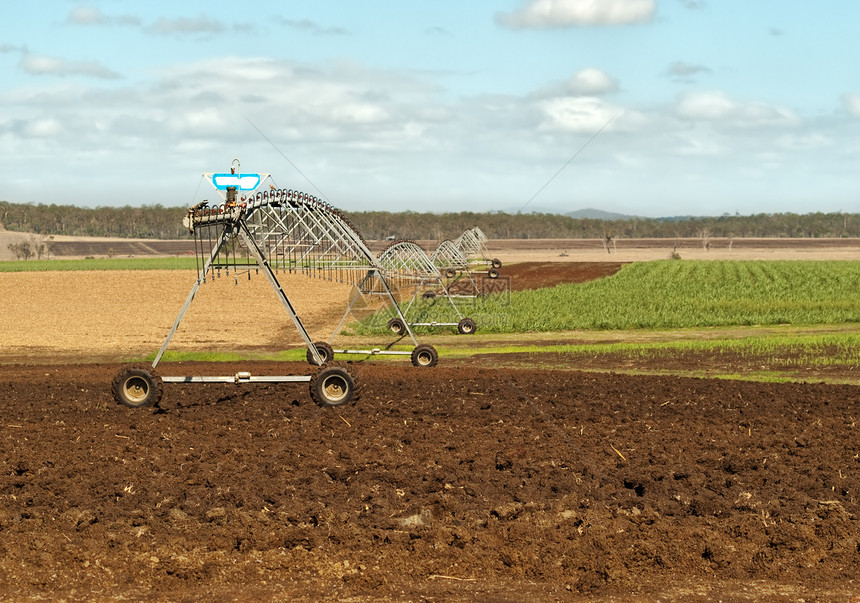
x=242 y=231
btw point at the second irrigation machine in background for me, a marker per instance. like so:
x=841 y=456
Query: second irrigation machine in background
x=407 y=262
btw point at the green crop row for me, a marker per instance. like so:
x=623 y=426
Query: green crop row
x=836 y=349
x=672 y=294
x=831 y=357
x=814 y=350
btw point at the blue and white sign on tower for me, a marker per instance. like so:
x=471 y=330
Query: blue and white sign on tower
x=242 y=182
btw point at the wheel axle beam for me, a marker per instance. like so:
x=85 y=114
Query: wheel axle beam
x=238 y=378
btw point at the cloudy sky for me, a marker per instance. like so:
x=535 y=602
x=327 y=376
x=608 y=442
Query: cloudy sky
x=647 y=107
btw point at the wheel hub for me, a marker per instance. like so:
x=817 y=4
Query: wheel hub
x=335 y=388
x=136 y=388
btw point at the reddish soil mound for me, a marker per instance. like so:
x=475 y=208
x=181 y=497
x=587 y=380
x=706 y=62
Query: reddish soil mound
x=536 y=275
x=453 y=483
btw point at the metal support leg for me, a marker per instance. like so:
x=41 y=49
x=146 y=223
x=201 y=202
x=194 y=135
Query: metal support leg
x=279 y=291
x=201 y=276
x=387 y=290
x=444 y=289
x=396 y=307
x=450 y=299
x=349 y=308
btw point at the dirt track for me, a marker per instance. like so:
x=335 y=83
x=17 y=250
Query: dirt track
x=439 y=484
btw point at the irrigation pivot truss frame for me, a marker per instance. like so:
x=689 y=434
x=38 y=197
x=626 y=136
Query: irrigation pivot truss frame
x=303 y=234
x=275 y=230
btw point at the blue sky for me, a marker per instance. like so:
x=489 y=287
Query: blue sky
x=647 y=107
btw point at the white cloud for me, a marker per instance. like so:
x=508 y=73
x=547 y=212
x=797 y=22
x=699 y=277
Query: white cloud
x=339 y=103
x=684 y=72
x=311 y=27
x=47 y=65
x=576 y=114
x=42 y=128
x=185 y=25
x=9 y=48
x=567 y=13
x=697 y=145
x=585 y=82
x=851 y=103
x=87 y=15
x=719 y=107
x=803 y=142
x=376 y=139
x=591 y=81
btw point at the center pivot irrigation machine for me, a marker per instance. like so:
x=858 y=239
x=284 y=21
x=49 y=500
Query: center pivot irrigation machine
x=455 y=259
x=279 y=230
x=447 y=273
x=409 y=264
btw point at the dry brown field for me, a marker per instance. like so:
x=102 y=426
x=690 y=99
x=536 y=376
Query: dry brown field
x=127 y=314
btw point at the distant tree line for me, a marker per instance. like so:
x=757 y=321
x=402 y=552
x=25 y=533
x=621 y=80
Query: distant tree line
x=159 y=222
x=37 y=247
x=147 y=222
x=411 y=225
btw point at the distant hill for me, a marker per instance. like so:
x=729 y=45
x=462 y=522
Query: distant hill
x=598 y=214
x=530 y=210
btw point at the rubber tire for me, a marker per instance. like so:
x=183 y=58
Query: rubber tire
x=467 y=326
x=450 y=273
x=333 y=385
x=496 y=263
x=137 y=387
x=397 y=326
x=324 y=349
x=428 y=295
x=493 y=273
x=425 y=355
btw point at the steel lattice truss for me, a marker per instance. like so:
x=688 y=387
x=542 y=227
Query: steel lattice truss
x=268 y=231
x=293 y=231
x=296 y=232
x=456 y=260
x=473 y=244
x=407 y=261
x=448 y=255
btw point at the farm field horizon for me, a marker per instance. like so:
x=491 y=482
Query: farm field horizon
x=508 y=250
x=545 y=314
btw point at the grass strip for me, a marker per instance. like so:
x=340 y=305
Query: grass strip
x=167 y=263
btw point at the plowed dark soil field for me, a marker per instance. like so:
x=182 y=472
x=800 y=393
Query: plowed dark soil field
x=444 y=484
x=535 y=275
